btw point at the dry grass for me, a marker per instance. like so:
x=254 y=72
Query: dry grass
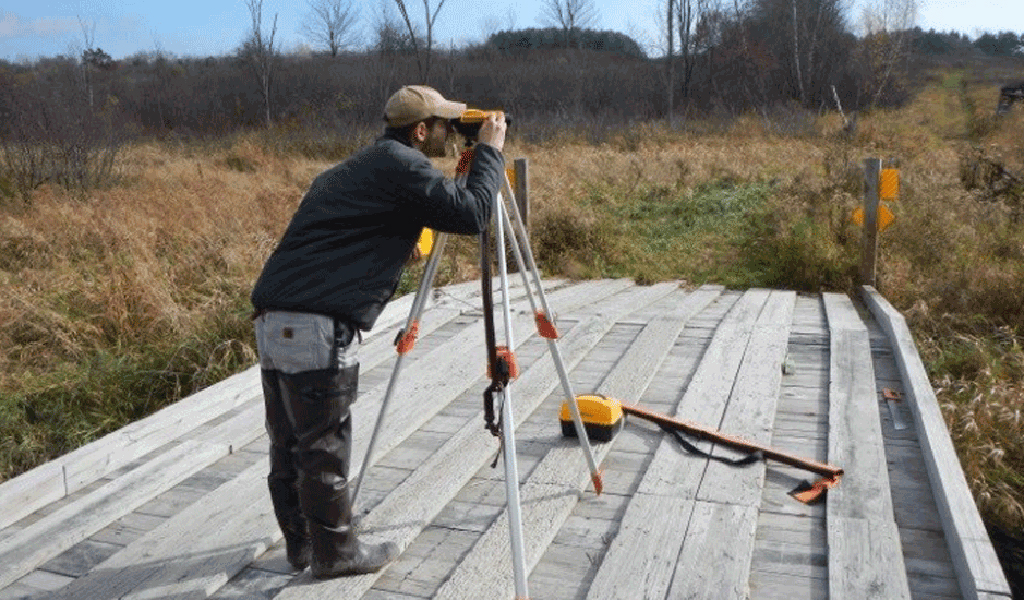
x=121 y=281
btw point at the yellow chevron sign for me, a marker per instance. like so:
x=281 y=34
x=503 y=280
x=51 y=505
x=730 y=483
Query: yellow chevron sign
x=885 y=217
x=889 y=184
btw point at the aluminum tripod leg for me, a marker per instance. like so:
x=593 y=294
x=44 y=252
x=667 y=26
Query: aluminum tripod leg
x=515 y=520
x=545 y=313
x=407 y=337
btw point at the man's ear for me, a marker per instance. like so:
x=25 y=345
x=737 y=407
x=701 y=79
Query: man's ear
x=419 y=133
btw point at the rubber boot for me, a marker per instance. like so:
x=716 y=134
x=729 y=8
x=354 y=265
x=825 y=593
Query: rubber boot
x=337 y=552
x=283 y=478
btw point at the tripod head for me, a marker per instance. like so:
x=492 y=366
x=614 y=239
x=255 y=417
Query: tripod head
x=469 y=123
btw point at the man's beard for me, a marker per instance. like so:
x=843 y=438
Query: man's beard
x=434 y=145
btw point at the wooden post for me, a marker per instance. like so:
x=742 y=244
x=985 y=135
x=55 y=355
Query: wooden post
x=872 y=168
x=522 y=190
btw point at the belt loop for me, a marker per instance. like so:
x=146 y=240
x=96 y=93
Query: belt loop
x=349 y=328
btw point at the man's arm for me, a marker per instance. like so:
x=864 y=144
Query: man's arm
x=441 y=204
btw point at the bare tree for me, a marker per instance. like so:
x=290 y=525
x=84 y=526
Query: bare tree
x=92 y=58
x=804 y=36
x=331 y=23
x=492 y=24
x=670 y=60
x=708 y=36
x=571 y=16
x=429 y=17
x=388 y=41
x=260 y=52
x=688 y=14
x=686 y=21
x=887 y=28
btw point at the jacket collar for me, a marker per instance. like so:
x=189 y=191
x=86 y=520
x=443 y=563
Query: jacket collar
x=399 y=135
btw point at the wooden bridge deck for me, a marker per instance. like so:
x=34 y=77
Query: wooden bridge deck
x=176 y=506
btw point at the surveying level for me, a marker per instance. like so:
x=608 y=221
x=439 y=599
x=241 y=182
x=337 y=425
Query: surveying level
x=469 y=123
x=502 y=367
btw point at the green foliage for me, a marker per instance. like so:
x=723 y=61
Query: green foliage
x=556 y=37
x=574 y=243
x=1005 y=43
x=53 y=413
x=653 y=233
x=935 y=43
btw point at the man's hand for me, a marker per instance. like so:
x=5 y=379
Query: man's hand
x=493 y=131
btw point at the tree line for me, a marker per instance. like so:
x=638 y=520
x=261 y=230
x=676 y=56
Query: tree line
x=63 y=118
x=952 y=43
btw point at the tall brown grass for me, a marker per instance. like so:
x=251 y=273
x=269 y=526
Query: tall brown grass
x=151 y=277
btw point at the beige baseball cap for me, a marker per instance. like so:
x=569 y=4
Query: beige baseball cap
x=417 y=102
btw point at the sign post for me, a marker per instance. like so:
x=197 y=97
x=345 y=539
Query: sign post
x=869 y=256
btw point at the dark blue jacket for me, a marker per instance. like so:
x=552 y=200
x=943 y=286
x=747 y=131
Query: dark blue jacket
x=344 y=250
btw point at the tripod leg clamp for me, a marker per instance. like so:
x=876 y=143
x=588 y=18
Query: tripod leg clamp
x=545 y=328
x=407 y=339
x=508 y=367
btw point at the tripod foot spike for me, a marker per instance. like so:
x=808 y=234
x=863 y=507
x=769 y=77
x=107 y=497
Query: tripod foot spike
x=595 y=478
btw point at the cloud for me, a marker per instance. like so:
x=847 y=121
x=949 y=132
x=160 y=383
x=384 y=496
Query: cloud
x=47 y=26
x=13 y=26
x=8 y=25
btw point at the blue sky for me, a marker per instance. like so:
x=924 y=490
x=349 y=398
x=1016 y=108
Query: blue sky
x=33 y=28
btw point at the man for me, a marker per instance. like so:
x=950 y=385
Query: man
x=330 y=276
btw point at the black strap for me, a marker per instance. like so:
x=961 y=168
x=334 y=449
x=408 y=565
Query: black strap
x=498 y=379
x=749 y=459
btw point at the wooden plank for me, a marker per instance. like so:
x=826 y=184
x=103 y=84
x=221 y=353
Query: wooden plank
x=977 y=566
x=119 y=448
x=141 y=437
x=407 y=511
x=671 y=475
x=24 y=494
x=725 y=520
x=722 y=528
x=865 y=559
x=865 y=555
x=715 y=562
x=775 y=586
x=179 y=558
x=253 y=584
x=642 y=558
x=421 y=379
x=705 y=399
x=451 y=302
x=26 y=549
x=750 y=412
x=553 y=487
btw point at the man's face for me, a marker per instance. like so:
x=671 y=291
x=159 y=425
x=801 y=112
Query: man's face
x=437 y=139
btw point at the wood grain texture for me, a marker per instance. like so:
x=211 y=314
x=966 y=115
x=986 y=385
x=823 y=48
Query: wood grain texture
x=865 y=555
x=193 y=553
x=976 y=563
x=553 y=487
x=672 y=472
x=407 y=511
x=26 y=549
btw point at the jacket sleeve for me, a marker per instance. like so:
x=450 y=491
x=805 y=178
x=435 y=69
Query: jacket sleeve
x=443 y=204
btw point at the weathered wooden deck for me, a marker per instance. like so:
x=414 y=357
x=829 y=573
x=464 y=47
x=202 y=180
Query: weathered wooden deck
x=176 y=506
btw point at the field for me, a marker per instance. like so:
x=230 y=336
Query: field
x=124 y=299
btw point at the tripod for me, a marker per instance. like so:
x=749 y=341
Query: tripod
x=501 y=360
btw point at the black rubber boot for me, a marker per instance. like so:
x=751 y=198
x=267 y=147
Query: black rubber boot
x=337 y=552
x=283 y=478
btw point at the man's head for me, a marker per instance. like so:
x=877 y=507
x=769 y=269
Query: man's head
x=425 y=115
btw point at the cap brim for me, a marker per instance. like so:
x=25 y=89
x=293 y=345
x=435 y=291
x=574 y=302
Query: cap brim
x=450 y=110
